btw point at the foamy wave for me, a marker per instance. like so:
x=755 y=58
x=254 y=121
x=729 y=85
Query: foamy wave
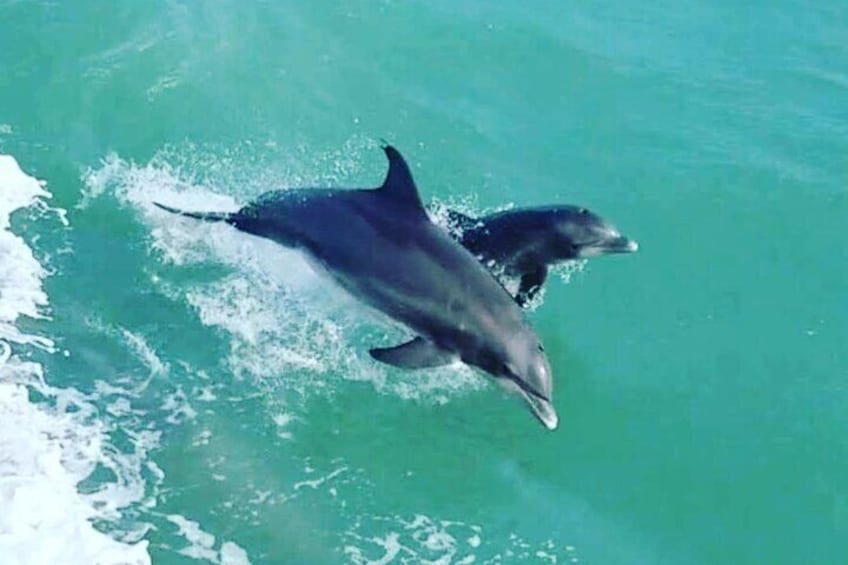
x=20 y=272
x=201 y=544
x=45 y=519
x=422 y=539
x=48 y=447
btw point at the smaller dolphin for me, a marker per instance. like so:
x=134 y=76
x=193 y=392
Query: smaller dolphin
x=526 y=242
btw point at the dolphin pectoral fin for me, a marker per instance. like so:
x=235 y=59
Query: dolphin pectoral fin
x=399 y=183
x=531 y=284
x=419 y=353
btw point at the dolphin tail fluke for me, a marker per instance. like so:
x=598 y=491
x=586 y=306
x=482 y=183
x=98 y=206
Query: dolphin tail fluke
x=205 y=216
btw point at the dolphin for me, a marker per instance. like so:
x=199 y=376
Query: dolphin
x=526 y=242
x=380 y=245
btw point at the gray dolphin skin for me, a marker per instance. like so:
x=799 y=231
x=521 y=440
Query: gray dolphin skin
x=380 y=245
x=526 y=242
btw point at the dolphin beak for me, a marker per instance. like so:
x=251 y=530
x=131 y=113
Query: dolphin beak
x=544 y=410
x=631 y=246
x=622 y=245
x=541 y=407
x=618 y=244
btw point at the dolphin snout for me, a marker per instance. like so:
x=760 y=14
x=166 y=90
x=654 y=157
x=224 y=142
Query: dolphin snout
x=607 y=244
x=545 y=412
x=621 y=244
x=535 y=388
x=630 y=245
x=540 y=406
x=617 y=244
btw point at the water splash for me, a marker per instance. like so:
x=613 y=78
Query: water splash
x=51 y=439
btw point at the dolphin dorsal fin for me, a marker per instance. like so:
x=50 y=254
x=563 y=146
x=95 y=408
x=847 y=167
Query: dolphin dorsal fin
x=399 y=183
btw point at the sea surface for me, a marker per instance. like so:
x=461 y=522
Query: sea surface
x=174 y=392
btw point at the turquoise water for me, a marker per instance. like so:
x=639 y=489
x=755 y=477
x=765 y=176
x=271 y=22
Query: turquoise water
x=172 y=391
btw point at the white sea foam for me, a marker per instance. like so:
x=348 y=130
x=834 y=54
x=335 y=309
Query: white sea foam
x=422 y=539
x=44 y=519
x=20 y=272
x=201 y=544
x=51 y=442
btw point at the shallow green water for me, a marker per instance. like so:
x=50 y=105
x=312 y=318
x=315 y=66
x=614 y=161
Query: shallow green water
x=202 y=383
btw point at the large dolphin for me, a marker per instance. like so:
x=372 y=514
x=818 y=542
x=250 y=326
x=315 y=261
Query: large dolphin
x=526 y=242
x=380 y=245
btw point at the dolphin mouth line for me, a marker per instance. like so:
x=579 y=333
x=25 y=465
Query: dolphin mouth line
x=620 y=245
x=540 y=405
x=526 y=388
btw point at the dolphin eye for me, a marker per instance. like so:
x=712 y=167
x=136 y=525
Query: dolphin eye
x=541 y=348
x=583 y=211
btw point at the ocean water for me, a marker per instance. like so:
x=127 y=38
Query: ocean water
x=173 y=392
